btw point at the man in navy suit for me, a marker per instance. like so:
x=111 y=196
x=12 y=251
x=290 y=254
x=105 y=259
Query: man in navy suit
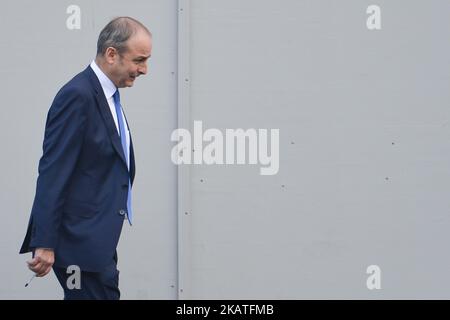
x=83 y=192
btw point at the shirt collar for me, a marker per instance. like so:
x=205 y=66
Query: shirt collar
x=107 y=85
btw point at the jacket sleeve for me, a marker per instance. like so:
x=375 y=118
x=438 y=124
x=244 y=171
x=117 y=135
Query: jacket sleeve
x=63 y=141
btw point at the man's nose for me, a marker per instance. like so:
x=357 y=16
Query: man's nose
x=142 y=69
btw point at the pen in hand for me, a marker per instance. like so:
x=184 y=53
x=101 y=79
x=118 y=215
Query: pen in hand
x=26 y=284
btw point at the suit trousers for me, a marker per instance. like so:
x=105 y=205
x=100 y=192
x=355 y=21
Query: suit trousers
x=103 y=285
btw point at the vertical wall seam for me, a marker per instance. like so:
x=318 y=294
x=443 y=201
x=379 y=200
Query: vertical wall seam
x=183 y=188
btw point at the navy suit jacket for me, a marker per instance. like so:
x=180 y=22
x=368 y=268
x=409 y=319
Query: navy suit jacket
x=81 y=193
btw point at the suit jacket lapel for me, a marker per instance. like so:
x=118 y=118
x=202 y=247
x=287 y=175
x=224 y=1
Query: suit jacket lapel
x=103 y=107
x=132 y=164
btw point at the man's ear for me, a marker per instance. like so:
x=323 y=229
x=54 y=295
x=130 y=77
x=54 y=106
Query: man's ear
x=110 y=55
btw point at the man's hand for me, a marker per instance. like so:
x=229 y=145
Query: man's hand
x=42 y=262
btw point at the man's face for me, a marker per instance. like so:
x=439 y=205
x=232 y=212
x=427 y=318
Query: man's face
x=133 y=63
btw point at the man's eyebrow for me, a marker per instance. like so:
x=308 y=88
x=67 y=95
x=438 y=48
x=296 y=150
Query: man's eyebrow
x=143 y=57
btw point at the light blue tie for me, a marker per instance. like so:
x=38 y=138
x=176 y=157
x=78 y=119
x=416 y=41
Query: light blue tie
x=125 y=147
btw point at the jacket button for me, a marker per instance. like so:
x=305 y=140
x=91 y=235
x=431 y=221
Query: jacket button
x=122 y=212
x=125 y=186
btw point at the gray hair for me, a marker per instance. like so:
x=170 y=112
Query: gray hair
x=116 y=34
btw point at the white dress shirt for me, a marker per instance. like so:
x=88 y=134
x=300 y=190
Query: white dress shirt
x=109 y=89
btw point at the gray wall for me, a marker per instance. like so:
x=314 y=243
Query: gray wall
x=364 y=149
